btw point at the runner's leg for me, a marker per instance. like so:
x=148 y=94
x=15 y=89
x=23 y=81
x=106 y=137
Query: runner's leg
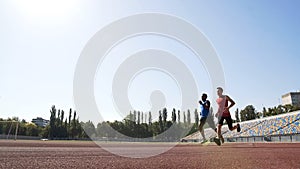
x=202 y=122
x=229 y=123
x=211 y=123
x=220 y=123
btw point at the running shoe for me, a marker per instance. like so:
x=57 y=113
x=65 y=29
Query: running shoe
x=216 y=140
x=204 y=141
x=222 y=139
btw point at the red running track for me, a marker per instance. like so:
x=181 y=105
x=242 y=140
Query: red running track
x=81 y=154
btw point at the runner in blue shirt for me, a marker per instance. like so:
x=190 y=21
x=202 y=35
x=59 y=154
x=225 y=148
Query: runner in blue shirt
x=205 y=115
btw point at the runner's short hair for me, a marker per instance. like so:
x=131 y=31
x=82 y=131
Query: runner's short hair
x=220 y=88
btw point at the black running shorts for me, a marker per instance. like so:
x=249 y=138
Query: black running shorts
x=228 y=120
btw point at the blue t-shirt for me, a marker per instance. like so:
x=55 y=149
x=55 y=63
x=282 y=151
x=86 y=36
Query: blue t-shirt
x=204 y=111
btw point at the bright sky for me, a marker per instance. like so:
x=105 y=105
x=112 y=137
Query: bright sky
x=257 y=43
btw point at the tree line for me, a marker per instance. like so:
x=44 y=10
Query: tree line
x=24 y=128
x=250 y=113
x=136 y=124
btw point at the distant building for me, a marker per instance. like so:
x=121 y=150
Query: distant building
x=292 y=98
x=40 y=122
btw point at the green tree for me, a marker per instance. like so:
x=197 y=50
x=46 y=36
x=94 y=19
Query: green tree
x=174 y=115
x=45 y=132
x=188 y=117
x=89 y=129
x=142 y=118
x=150 y=118
x=270 y=112
x=184 y=118
x=258 y=115
x=22 y=128
x=74 y=126
x=62 y=118
x=57 y=120
x=32 y=129
x=295 y=108
x=248 y=113
x=70 y=117
x=130 y=116
x=52 y=122
x=264 y=112
x=139 y=115
x=165 y=115
x=103 y=129
x=178 y=116
x=160 y=122
x=279 y=109
x=196 y=117
x=134 y=116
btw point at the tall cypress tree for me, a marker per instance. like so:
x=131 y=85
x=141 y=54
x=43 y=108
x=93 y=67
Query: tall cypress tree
x=165 y=114
x=134 y=116
x=52 y=122
x=150 y=118
x=178 y=116
x=188 y=117
x=62 y=118
x=142 y=118
x=184 y=118
x=196 y=117
x=139 y=115
x=160 y=122
x=174 y=115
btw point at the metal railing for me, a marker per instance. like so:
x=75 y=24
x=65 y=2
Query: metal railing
x=272 y=138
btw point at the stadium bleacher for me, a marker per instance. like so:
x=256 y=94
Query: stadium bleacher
x=284 y=124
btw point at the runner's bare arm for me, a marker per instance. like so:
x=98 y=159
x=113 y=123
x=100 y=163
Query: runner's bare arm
x=207 y=106
x=232 y=103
